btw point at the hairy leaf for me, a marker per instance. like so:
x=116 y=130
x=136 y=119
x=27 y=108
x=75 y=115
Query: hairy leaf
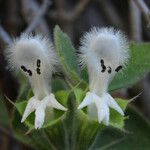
x=138 y=66
x=66 y=53
x=138 y=136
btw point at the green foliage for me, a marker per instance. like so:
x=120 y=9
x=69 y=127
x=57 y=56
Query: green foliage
x=67 y=56
x=137 y=67
x=74 y=129
x=138 y=136
x=139 y=128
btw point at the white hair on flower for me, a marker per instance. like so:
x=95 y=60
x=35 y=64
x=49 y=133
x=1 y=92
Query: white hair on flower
x=105 y=52
x=36 y=58
x=27 y=48
x=116 y=48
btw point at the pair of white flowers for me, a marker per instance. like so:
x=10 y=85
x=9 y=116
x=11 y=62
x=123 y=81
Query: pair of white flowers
x=104 y=51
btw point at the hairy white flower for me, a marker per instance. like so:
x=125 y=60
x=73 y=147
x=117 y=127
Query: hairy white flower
x=105 y=52
x=35 y=57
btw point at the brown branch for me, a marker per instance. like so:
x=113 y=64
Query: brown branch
x=144 y=9
x=111 y=13
x=135 y=22
x=38 y=17
x=69 y=16
x=29 y=10
x=4 y=36
x=79 y=9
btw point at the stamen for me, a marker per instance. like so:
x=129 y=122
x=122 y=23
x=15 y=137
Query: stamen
x=29 y=72
x=102 y=65
x=102 y=62
x=38 y=63
x=103 y=68
x=109 y=69
x=24 y=68
x=118 y=68
x=38 y=71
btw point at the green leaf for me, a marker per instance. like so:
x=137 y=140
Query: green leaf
x=79 y=94
x=58 y=84
x=139 y=131
x=116 y=120
x=66 y=53
x=138 y=66
x=106 y=138
x=24 y=87
x=20 y=129
x=138 y=137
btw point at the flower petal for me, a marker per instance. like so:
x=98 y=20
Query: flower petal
x=106 y=118
x=101 y=109
x=52 y=102
x=86 y=101
x=113 y=104
x=31 y=106
x=39 y=116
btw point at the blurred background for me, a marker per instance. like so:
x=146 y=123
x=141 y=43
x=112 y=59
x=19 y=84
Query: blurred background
x=74 y=17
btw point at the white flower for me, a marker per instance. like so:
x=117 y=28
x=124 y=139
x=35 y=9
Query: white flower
x=105 y=52
x=35 y=57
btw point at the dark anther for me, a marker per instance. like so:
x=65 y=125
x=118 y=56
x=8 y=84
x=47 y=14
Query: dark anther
x=103 y=68
x=118 y=68
x=38 y=71
x=109 y=69
x=102 y=62
x=38 y=63
x=24 y=68
x=30 y=72
x=102 y=65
